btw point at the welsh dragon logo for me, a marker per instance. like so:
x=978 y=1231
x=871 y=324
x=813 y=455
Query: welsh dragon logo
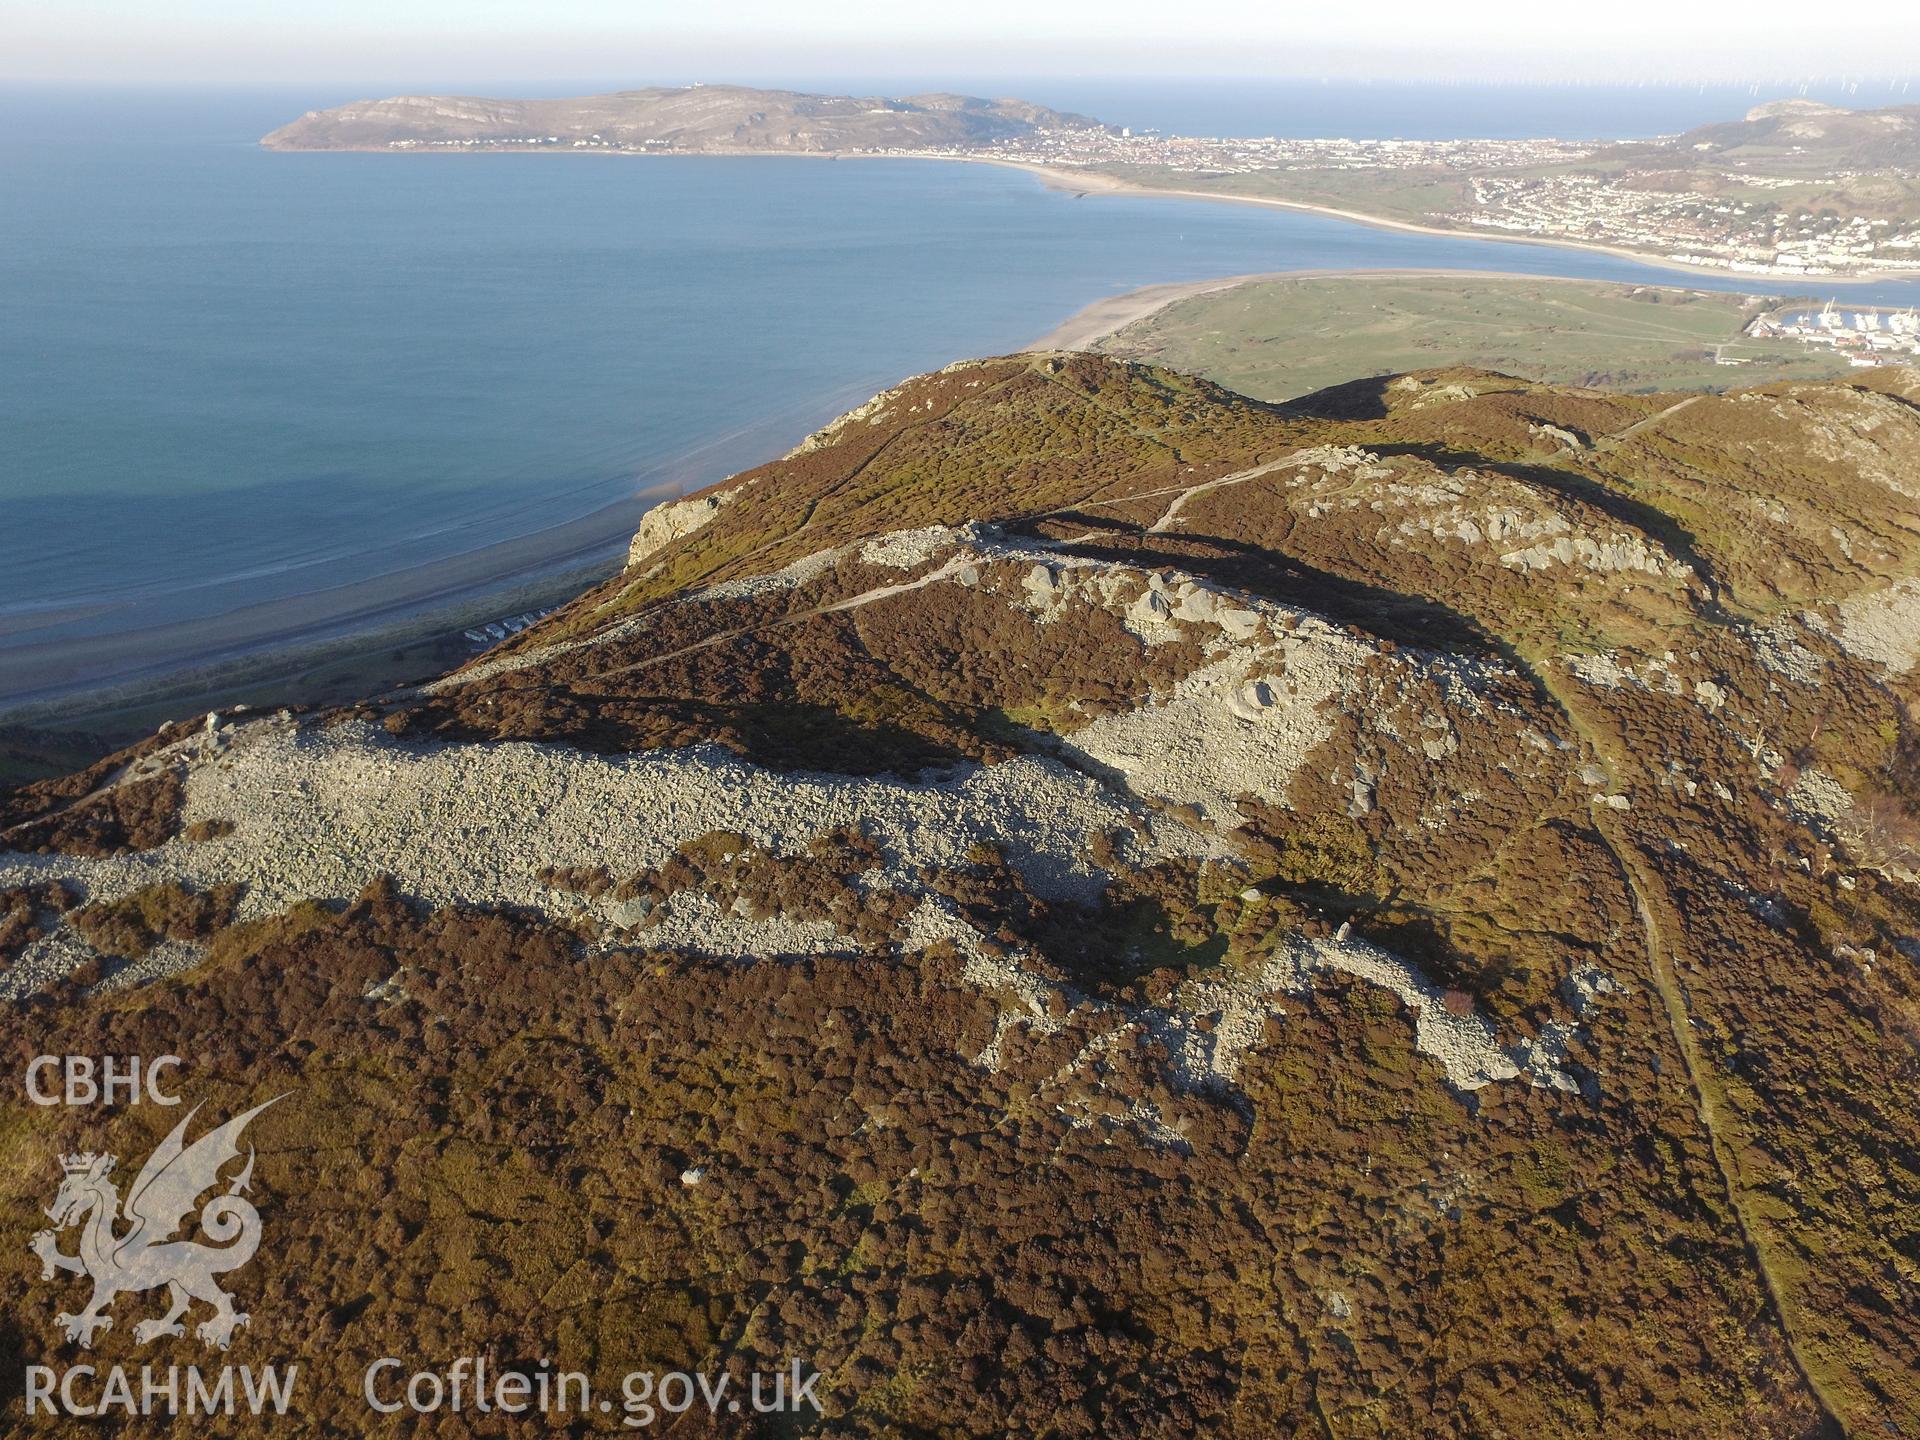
x=146 y=1256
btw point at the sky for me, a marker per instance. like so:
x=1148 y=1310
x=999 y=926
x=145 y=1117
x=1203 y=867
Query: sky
x=415 y=44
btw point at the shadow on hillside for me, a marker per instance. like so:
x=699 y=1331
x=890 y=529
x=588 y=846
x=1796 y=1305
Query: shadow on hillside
x=1389 y=614
x=784 y=735
x=1366 y=400
x=15 y=1355
x=1572 y=485
x=1351 y=400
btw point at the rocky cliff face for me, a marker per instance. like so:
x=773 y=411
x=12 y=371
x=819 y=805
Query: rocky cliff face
x=1140 y=912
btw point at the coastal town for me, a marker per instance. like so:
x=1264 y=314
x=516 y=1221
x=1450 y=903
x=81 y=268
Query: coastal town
x=1745 y=236
x=1866 y=337
x=1525 y=188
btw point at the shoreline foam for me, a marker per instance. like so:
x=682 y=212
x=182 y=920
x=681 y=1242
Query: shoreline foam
x=83 y=672
x=50 y=672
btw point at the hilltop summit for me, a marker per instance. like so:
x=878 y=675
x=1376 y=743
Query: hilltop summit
x=1082 y=902
x=1774 y=109
x=687 y=118
x=1808 y=136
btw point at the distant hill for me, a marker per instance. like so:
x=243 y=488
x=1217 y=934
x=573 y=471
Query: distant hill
x=696 y=118
x=1806 y=134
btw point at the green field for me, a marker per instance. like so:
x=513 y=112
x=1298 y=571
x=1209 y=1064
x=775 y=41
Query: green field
x=1279 y=338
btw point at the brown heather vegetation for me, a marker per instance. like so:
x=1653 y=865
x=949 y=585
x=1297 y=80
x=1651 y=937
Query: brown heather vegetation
x=27 y=912
x=492 y=1160
x=1808 y=1049
x=1716 y=1234
x=100 y=810
x=749 y=880
x=131 y=926
x=136 y=815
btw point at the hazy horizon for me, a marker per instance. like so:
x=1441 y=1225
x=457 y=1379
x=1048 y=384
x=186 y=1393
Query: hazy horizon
x=494 y=42
x=42 y=112
x=1869 y=90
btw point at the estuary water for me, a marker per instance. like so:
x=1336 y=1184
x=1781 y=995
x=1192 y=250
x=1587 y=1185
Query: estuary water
x=236 y=386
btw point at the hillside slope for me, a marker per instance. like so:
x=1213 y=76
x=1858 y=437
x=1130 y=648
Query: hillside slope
x=1807 y=135
x=696 y=117
x=1081 y=903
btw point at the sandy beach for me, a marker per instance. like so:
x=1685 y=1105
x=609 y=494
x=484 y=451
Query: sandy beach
x=1091 y=182
x=1080 y=330
x=443 y=593
x=34 y=671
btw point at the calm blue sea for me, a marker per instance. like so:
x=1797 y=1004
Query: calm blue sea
x=228 y=376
